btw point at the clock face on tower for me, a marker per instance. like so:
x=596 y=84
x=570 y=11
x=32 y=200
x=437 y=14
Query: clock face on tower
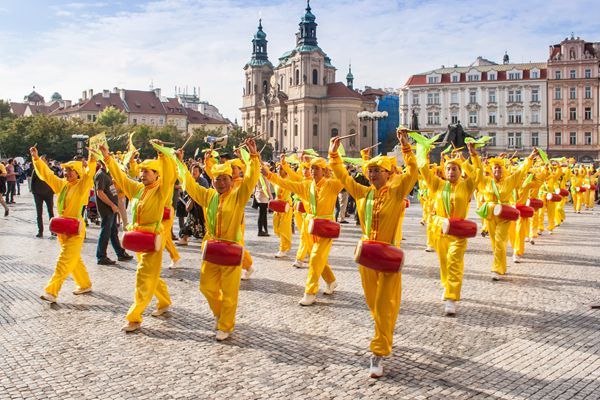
x=273 y=81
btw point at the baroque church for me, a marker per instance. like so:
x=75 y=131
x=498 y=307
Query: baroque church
x=298 y=104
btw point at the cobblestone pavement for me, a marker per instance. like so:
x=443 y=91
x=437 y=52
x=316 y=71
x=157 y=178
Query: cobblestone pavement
x=532 y=336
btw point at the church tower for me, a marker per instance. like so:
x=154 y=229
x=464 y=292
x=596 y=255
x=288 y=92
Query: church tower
x=258 y=72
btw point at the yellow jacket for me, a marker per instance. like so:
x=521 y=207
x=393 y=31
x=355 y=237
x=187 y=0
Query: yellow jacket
x=77 y=193
x=230 y=211
x=388 y=201
x=148 y=211
x=505 y=186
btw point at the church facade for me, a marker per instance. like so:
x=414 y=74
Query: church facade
x=298 y=104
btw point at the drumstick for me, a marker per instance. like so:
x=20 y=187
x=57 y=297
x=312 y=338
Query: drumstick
x=261 y=150
x=370 y=147
x=347 y=136
x=187 y=141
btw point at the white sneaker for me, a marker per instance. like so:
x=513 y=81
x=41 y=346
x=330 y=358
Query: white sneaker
x=550 y=232
x=48 y=298
x=281 y=254
x=308 y=299
x=516 y=259
x=160 y=311
x=220 y=335
x=496 y=276
x=131 y=327
x=429 y=249
x=173 y=264
x=246 y=273
x=298 y=264
x=79 y=290
x=376 y=369
x=450 y=307
x=330 y=287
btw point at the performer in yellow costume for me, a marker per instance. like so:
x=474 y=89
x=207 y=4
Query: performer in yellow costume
x=497 y=189
x=321 y=193
x=224 y=209
x=380 y=207
x=282 y=221
x=577 y=181
x=148 y=199
x=73 y=192
x=451 y=198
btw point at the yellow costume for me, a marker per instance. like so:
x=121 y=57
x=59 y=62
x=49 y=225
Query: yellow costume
x=282 y=222
x=383 y=291
x=148 y=202
x=220 y=284
x=72 y=196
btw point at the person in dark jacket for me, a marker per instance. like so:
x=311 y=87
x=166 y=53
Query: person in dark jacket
x=42 y=193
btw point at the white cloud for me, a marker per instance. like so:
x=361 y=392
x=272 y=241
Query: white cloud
x=207 y=43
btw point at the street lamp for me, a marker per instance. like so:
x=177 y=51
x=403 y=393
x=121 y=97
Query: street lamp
x=372 y=116
x=80 y=140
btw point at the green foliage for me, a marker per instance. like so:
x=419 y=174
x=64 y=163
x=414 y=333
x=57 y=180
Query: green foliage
x=111 y=116
x=5 y=110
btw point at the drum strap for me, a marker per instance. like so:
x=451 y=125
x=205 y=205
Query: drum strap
x=313 y=202
x=211 y=220
x=446 y=194
x=134 y=213
x=61 y=199
x=496 y=191
x=369 y=213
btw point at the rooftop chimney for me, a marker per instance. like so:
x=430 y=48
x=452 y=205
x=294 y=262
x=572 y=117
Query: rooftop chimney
x=122 y=94
x=84 y=95
x=157 y=92
x=115 y=90
x=106 y=93
x=90 y=93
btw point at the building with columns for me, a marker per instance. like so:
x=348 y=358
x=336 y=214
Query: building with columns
x=573 y=105
x=505 y=101
x=298 y=104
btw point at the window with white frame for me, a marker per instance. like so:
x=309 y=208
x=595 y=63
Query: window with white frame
x=514 y=96
x=515 y=117
x=588 y=73
x=588 y=92
x=588 y=138
x=518 y=97
x=433 y=79
x=557 y=138
x=415 y=98
x=535 y=74
x=572 y=93
x=573 y=114
x=492 y=118
x=433 y=98
x=572 y=138
x=472 y=77
x=473 y=118
x=535 y=117
x=513 y=76
x=557 y=75
x=588 y=113
x=535 y=94
x=572 y=74
x=454 y=117
x=455 y=78
x=518 y=140
x=472 y=96
x=558 y=114
x=492 y=140
x=535 y=139
x=454 y=97
x=433 y=118
x=511 y=140
x=492 y=76
x=557 y=93
x=492 y=96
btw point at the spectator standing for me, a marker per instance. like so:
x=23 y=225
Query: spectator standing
x=11 y=182
x=262 y=195
x=42 y=193
x=3 y=188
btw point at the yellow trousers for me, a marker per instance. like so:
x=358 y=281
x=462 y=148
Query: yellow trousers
x=69 y=263
x=430 y=229
x=560 y=211
x=169 y=245
x=383 y=293
x=534 y=227
x=591 y=198
x=306 y=241
x=451 y=253
x=282 y=225
x=317 y=265
x=521 y=232
x=578 y=201
x=550 y=209
x=148 y=283
x=221 y=285
x=499 y=237
x=247 y=259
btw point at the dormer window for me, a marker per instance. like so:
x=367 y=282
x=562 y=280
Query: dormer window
x=473 y=76
x=455 y=77
x=534 y=74
x=433 y=79
x=492 y=76
x=515 y=75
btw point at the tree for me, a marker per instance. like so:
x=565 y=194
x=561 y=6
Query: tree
x=5 y=110
x=111 y=117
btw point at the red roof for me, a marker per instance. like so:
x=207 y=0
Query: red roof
x=374 y=92
x=97 y=103
x=18 y=108
x=339 y=90
x=143 y=102
x=196 y=117
x=173 y=107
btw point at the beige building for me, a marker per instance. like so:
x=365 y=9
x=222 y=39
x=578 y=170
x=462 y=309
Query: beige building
x=298 y=104
x=573 y=99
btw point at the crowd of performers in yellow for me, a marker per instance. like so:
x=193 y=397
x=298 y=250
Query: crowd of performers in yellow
x=517 y=200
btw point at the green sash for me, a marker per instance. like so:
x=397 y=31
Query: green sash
x=61 y=199
x=369 y=213
x=446 y=193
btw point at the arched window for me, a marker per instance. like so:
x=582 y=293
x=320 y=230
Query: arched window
x=315 y=130
x=297 y=81
x=281 y=83
x=265 y=86
x=334 y=132
x=364 y=129
x=295 y=129
x=248 y=88
x=315 y=77
x=271 y=128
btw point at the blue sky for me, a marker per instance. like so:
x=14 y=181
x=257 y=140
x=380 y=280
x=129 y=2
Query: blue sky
x=71 y=46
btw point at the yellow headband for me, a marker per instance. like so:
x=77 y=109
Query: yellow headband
x=76 y=166
x=380 y=161
x=236 y=162
x=456 y=161
x=318 y=162
x=221 y=169
x=151 y=164
x=305 y=165
x=497 y=161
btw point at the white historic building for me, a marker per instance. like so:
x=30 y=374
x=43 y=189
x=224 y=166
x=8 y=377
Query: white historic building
x=505 y=101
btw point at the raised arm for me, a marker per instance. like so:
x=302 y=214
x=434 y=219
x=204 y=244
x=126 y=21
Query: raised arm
x=355 y=189
x=407 y=181
x=129 y=186
x=293 y=175
x=45 y=173
x=252 y=173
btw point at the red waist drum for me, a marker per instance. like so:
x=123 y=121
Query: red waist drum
x=221 y=252
x=562 y=192
x=166 y=213
x=324 y=228
x=462 y=228
x=281 y=206
x=406 y=203
x=300 y=207
x=593 y=187
x=553 y=197
x=580 y=189
x=526 y=211
x=141 y=242
x=506 y=212
x=534 y=203
x=379 y=256
x=65 y=226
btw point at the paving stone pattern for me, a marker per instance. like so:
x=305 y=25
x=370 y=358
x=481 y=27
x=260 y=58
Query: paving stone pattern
x=532 y=336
